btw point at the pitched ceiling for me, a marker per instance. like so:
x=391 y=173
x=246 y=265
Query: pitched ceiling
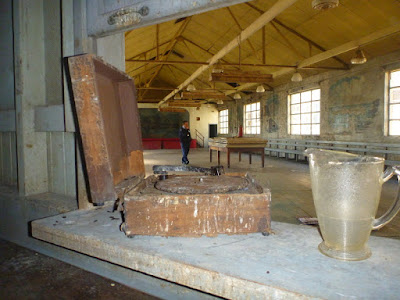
x=161 y=57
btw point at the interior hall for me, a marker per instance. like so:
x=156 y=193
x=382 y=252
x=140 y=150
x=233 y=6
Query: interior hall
x=199 y=149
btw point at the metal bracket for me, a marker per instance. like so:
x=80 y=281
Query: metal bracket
x=163 y=170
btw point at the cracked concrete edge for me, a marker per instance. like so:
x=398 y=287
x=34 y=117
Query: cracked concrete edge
x=185 y=274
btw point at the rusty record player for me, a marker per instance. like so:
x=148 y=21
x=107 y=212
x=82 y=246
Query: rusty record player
x=205 y=202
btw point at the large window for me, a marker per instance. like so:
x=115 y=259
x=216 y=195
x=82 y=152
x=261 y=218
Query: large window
x=223 y=121
x=304 y=112
x=394 y=103
x=252 y=120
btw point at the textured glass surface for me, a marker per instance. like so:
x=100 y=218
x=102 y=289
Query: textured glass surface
x=316 y=94
x=295 y=98
x=316 y=106
x=306 y=107
x=394 y=127
x=395 y=78
x=301 y=106
x=306 y=96
x=223 y=121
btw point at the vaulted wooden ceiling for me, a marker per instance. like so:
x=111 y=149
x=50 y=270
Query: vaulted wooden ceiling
x=161 y=57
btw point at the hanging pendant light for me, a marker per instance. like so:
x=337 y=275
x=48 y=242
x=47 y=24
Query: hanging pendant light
x=219 y=101
x=359 y=58
x=297 y=77
x=191 y=88
x=324 y=4
x=260 y=89
x=237 y=96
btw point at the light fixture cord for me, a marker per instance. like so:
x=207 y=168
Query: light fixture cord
x=239 y=42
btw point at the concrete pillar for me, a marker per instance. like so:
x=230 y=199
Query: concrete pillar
x=112 y=49
x=30 y=92
x=8 y=149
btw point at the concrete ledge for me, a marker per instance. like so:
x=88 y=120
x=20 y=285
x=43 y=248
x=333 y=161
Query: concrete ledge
x=284 y=265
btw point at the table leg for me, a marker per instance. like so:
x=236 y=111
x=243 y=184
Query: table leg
x=219 y=157
x=262 y=157
x=240 y=156
x=228 y=156
x=210 y=155
x=250 y=158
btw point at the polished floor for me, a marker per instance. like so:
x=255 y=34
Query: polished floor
x=25 y=274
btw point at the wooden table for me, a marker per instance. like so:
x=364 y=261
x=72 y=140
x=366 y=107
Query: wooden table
x=229 y=149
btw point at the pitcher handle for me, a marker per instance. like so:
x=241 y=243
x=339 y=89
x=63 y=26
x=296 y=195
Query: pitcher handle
x=395 y=208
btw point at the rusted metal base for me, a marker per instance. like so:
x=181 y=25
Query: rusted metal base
x=149 y=210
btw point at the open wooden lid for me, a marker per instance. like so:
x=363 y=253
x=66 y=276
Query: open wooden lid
x=109 y=124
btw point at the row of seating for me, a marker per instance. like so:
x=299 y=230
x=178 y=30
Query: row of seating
x=294 y=148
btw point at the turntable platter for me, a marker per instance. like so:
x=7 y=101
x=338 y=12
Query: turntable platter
x=201 y=184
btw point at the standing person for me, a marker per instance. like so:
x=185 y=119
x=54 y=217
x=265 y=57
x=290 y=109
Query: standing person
x=185 y=139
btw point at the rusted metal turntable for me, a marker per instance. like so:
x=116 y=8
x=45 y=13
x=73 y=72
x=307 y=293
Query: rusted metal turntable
x=195 y=205
x=208 y=202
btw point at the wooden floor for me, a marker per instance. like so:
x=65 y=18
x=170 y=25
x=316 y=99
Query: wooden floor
x=288 y=180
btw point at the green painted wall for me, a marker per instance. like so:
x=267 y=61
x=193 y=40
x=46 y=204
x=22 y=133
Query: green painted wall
x=157 y=124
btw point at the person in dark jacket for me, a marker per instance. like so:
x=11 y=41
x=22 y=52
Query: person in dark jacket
x=185 y=139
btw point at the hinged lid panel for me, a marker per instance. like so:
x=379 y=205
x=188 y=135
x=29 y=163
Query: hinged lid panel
x=109 y=124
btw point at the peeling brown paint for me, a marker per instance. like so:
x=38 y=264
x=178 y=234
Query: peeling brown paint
x=150 y=211
x=109 y=124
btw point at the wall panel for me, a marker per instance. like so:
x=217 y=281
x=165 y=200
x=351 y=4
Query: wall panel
x=61 y=166
x=8 y=159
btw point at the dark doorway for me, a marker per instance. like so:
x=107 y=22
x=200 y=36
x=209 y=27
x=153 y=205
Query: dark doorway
x=212 y=130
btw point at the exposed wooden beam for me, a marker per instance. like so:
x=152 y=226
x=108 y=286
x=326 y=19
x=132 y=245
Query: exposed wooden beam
x=241 y=29
x=169 y=47
x=128 y=71
x=263 y=44
x=310 y=41
x=144 y=52
x=149 y=100
x=351 y=45
x=171 y=88
x=181 y=62
x=383 y=33
x=198 y=46
x=187 y=47
x=155 y=88
x=157 y=33
x=144 y=71
x=276 y=9
x=296 y=33
x=288 y=43
x=203 y=94
x=188 y=74
x=171 y=109
x=241 y=77
x=183 y=103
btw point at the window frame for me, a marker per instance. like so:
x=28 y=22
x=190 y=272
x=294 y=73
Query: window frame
x=220 y=127
x=389 y=103
x=313 y=109
x=257 y=117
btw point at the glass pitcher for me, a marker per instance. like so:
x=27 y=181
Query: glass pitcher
x=346 y=189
